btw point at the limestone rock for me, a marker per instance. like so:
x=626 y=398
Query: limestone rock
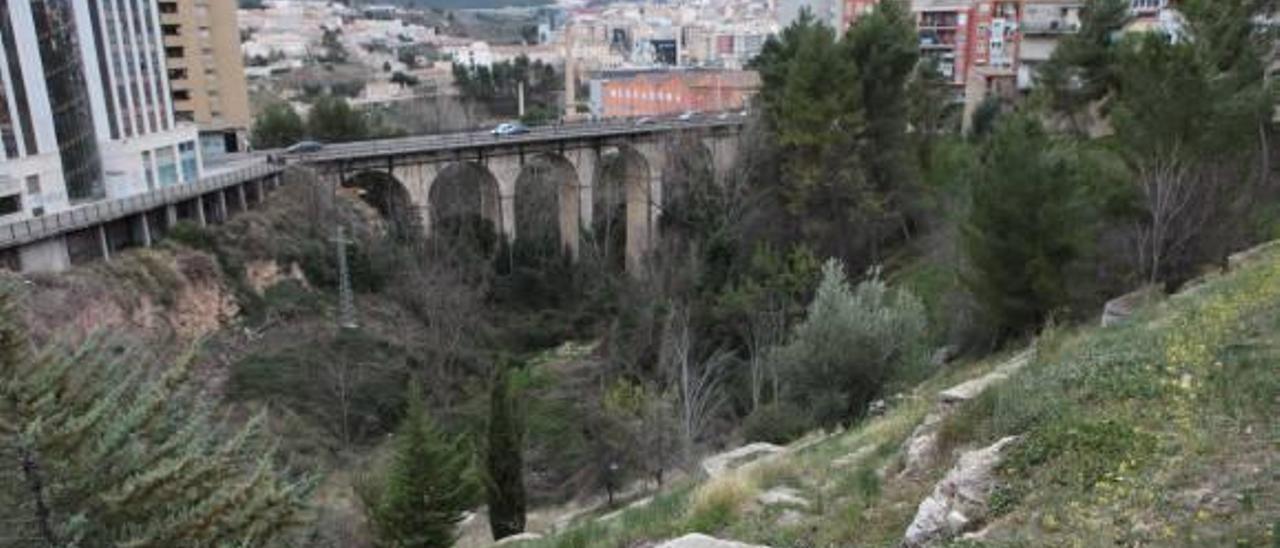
x=854 y=458
x=522 y=537
x=782 y=496
x=698 y=540
x=1119 y=309
x=943 y=356
x=922 y=447
x=717 y=465
x=790 y=518
x=1252 y=254
x=958 y=503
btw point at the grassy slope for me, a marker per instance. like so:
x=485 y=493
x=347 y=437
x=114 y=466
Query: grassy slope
x=1159 y=432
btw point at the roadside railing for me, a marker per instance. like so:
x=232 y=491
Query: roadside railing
x=89 y=215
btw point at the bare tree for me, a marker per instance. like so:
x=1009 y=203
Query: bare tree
x=764 y=331
x=698 y=382
x=1169 y=191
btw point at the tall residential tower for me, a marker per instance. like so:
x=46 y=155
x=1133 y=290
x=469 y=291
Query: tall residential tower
x=206 y=71
x=85 y=108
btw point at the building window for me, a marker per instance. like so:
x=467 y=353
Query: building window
x=177 y=74
x=173 y=52
x=10 y=204
x=168 y=7
x=15 y=76
x=169 y=30
x=166 y=167
x=69 y=97
x=190 y=162
x=149 y=170
x=181 y=95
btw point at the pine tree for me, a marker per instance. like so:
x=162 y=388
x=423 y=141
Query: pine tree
x=1027 y=224
x=505 y=460
x=1082 y=70
x=278 y=125
x=419 y=499
x=97 y=451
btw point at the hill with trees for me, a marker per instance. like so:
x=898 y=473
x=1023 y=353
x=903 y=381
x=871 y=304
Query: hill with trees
x=868 y=267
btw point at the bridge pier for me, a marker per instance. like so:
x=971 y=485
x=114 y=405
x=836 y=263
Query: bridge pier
x=506 y=171
x=586 y=164
x=417 y=179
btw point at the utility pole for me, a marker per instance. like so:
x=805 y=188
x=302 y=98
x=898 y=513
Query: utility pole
x=346 y=301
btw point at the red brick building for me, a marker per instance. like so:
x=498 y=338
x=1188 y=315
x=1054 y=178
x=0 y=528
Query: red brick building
x=621 y=94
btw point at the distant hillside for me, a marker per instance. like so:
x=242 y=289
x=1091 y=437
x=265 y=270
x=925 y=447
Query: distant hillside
x=464 y=4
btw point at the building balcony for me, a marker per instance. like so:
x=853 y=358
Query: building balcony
x=1049 y=27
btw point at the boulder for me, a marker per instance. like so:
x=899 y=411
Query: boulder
x=1119 y=309
x=522 y=537
x=943 y=356
x=958 y=503
x=698 y=540
x=782 y=496
x=716 y=465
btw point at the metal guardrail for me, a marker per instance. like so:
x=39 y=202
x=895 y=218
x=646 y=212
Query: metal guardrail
x=86 y=216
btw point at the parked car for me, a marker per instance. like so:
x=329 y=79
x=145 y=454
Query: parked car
x=509 y=128
x=305 y=147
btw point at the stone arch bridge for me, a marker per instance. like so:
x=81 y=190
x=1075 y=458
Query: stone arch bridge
x=429 y=178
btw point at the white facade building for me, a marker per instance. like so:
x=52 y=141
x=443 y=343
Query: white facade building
x=85 y=107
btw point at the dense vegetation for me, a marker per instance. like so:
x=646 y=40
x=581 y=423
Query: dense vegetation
x=868 y=233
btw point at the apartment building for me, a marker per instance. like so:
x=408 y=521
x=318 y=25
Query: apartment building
x=206 y=71
x=1044 y=23
x=84 y=107
x=648 y=92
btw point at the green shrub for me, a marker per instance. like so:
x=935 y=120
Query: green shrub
x=852 y=343
x=193 y=235
x=351 y=385
x=776 y=423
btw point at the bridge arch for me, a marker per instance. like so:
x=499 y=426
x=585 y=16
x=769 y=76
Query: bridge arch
x=466 y=207
x=547 y=206
x=689 y=184
x=624 y=203
x=390 y=197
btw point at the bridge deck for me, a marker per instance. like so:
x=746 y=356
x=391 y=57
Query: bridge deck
x=90 y=215
x=537 y=135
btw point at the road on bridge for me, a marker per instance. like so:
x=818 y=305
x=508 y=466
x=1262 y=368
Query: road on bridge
x=448 y=141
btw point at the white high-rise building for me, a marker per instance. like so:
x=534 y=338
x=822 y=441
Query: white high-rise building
x=85 y=109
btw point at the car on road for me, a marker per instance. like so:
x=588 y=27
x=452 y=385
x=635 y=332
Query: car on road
x=509 y=128
x=688 y=116
x=305 y=147
x=646 y=121
x=722 y=116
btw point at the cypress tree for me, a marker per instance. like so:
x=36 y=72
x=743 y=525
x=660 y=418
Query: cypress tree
x=505 y=460
x=422 y=495
x=96 y=451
